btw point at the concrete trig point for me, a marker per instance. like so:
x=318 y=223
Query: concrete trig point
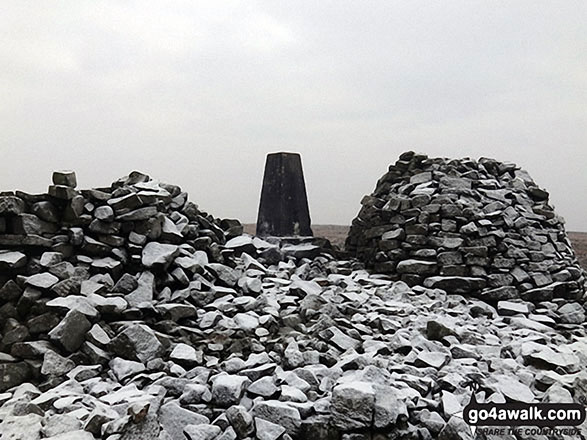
x=283 y=210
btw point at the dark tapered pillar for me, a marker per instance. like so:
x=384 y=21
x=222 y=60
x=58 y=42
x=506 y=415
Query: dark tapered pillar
x=283 y=210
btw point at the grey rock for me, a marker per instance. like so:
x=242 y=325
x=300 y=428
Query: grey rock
x=455 y=429
x=43 y=280
x=104 y=213
x=186 y=355
x=202 y=432
x=279 y=413
x=124 y=369
x=227 y=389
x=513 y=389
x=12 y=259
x=60 y=424
x=62 y=192
x=13 y=374
x=26 y=427
x=159 y=255
x=241 y=420
x=70 y=332
x=572 y=313
x=353 y=405
x=246 y=322
x=302 y=250
x=66 y=178
x=56 y=365
x=144 y=292
x=439 y=328
x=417 y=267
x=126 y=284
x=388 y=408
x=264 y=387
x=78 y=303
x=174 y=418
x=73 y=435
x=137 y=342
x=11 y=205
x=97 y=336
x=432 y=359
x=195 y=394
x=500 y=294
x=225 y=274
x=341 y=340
x=10 y=291
x=455 y=285
x=267 y=430
x=509 y=308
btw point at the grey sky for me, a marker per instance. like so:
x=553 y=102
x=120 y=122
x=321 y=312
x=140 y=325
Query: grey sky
x=196 y=93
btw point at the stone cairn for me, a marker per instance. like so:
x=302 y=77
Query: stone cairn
x=475 y=227
x=126 y=313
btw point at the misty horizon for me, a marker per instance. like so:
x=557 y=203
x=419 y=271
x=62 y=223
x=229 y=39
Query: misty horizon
x=197 y=94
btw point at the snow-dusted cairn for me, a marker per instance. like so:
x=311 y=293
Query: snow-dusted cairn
x=128 y=314
x=465 y=226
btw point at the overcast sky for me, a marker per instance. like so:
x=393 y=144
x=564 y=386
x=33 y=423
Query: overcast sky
x=197 y=93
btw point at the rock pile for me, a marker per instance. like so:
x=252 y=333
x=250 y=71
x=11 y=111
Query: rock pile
x=475 y=227
x=120 y=325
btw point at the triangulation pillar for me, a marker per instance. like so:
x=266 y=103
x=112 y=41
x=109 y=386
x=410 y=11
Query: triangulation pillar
x=283 y=210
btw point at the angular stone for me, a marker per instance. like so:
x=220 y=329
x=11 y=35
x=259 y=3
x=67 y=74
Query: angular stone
x=417 y=267
x=43 y=280
x=30 y=224
x=66 y=178
x=104 y=213
x=353 y=405
x=456 y=428
x=389 y=408
x=137 y=342
x=264 y=387
x=174 y=418
x=124 y=369
x=500 y=294
x=241 y=420
x=227 y=389
x=572 y=313
x=11 y=205
x=513 y=389
x=56 y=365
x=455 y=285
x=195 y=393
x=301 y=250
x=279 y=413
x=225 y=274
x=75 y=302
x=509 y=308
x=186 y=355
x=158 y=255
x=438 y=329
x=25 y=427
x=201 y=432
x=10 y=291
x=432 y=359
x=62 y=192
x=144 y=292
x=267 y=430
x=60 y=424
x=343 y=341
x=13 y=374
x=70 y=332
x=12 y=259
